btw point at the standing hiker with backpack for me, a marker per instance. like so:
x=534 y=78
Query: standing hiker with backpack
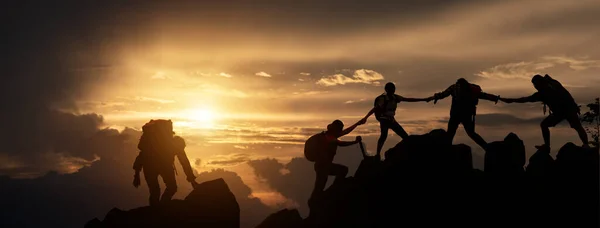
x=465 y=97
x=385 y=111
x=158 y=148
x=321 y=149
x=562 y=107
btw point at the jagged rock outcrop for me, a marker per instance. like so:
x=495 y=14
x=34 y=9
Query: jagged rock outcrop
x=425 y=182
x=210 y=204
x=283 y=218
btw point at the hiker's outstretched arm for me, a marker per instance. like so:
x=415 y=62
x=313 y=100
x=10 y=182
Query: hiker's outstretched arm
x=408 y=99
x=533 y=98
x=489 y=97
x=444 y=94
x=370 y=112
x=346 y=143
x=351 y=128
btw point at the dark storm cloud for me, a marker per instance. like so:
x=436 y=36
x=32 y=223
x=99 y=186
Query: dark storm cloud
x=54 y=53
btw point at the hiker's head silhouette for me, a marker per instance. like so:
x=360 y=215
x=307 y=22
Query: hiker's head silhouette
x=537 y=81
x=335 y=127
x=390 y=88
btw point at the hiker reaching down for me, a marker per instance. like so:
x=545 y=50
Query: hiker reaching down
x=562 y=107
x=384 y=109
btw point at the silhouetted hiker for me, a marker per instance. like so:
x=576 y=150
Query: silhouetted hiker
x=385 y=111
x=158 y=148
x=465 y=97
x=562 y=107
x=321 y=149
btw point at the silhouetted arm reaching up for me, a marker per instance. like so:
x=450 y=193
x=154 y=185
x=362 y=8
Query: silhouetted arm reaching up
x=533 y=98
x=489 y=97
x=444 y=94
x=351 y=128
x=348 y=143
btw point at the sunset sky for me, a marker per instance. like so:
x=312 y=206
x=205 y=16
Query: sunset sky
x=246 y=82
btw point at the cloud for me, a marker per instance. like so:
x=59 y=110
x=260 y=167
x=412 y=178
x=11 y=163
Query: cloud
x=574 y=63
x=304 y=74
x=518 y=70
x=158 y=100
x=223 y=74
x=360 y=76
x=525 y=70
x=295 y=179
x=228 y=160
x=351 y=101
x=263 y=74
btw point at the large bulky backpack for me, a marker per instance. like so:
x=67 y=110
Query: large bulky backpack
x=469 y=95
x=157 y=140
x=314 y=147
x=558 y=92
x=380 y=110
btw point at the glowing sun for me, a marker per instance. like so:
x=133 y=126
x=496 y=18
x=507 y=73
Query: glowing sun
x=203 y=118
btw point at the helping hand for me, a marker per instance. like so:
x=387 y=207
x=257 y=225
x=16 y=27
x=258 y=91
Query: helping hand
x=505 y=100
x=362 y=121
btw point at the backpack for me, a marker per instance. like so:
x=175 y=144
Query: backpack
x=157 y=141
x=557 y=91
x=380 y=110
x=314 y=147
x=470 y=95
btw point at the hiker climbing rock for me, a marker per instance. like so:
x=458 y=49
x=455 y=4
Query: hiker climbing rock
x=321 y=149
x=465 y=97
x=158 y=148
x=385 y=111
x=561 y=103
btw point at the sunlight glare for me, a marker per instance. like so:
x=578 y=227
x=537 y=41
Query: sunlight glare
x=202 y=118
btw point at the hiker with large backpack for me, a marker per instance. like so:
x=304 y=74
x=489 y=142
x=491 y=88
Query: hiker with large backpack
x=384 y=109
x=321 y=149
x=158 y=148
x=562 y=107
x=465 y=98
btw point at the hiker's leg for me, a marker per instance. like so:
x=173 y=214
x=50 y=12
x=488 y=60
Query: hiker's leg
x=320 y=179
x=576 y=124
x=395 y=126
x=453 y=123
x=339 y=171
x=168 y=177
x=151 y=177
x=550 y=121
x=469 y=126
x=383 y=136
